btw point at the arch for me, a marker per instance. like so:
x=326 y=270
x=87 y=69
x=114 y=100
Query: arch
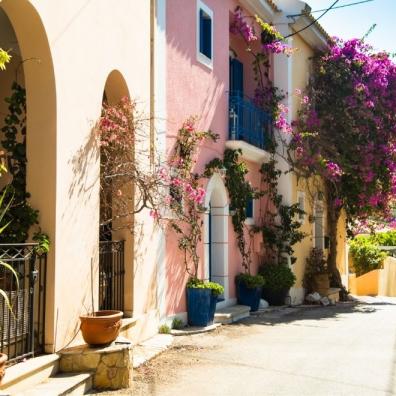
x=216 y=233
x=116 y=88
x=41 y=119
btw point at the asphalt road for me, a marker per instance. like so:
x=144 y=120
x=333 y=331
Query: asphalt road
x=342 y=350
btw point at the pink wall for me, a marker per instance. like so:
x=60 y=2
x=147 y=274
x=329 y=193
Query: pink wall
x=195 y=89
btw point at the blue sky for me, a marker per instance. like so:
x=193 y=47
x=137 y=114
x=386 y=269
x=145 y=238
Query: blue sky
x=355 y=21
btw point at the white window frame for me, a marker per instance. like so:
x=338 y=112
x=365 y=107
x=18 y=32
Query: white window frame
x=200 y=56
x=301 y=194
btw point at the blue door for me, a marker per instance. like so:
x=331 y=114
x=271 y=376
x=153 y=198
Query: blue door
x=236 y=77
x=236 y=116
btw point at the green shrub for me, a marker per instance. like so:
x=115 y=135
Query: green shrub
x=164 y=329
x=177 y=324
x=277 y=276
x=366 y=255
x=385 y=238
x=195 y=283
x=251 y=281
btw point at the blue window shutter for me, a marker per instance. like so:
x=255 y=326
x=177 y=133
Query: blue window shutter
x=205 y=34
x=236 y=77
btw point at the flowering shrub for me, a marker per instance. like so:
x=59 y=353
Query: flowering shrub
x=185 y=196
x=127 y=185
x=346 y=133
x=266 y=95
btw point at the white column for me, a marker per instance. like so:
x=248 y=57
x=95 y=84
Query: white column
x=160 y=129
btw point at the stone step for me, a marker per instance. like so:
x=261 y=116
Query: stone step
x=231 y=314
x=74 y=384
x=29 y=373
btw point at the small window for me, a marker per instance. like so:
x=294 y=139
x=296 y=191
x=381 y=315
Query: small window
x=249 y=209
x=301 y=205
x=205 y=34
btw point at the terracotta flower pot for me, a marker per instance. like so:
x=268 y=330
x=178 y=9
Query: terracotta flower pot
x=101 y=328
x=322 y=283
x=3 y=361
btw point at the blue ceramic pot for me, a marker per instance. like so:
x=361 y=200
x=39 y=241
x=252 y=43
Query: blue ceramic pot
x=201 y=307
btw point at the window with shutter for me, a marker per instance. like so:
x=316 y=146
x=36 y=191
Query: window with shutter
x=204 y=34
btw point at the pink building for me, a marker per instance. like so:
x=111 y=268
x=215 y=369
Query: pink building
x=209 y=75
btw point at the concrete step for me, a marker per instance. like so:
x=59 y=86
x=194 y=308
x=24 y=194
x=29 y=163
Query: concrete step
x=231 y=314
x=29 y=373
x=74 y=384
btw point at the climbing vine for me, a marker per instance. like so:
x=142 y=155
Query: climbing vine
x=280 y=226
x=20 y=216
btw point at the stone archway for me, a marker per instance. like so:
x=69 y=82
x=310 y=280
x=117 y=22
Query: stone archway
x=37 y=75
x=216 y=233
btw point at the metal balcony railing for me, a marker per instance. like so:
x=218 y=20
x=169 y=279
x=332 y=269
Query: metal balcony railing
x=247 y=122
x=22 y=328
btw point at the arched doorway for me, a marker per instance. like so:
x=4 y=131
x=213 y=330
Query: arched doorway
x=22 y=30
x=115 y=239
x=216 y=233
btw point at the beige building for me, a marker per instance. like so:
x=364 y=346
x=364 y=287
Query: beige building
x=68 y=54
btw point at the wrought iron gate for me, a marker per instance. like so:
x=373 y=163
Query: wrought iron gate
x=22 y=327
x=111 y=275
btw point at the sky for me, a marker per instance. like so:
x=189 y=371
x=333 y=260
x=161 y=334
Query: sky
x=355 y=21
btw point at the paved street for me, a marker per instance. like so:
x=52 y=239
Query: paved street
x=343 y=350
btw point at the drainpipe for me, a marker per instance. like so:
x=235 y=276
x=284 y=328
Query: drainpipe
x=152 y=79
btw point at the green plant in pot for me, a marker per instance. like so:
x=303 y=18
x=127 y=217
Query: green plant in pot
x=201 y=301
x=279 y=278
x=249 y=290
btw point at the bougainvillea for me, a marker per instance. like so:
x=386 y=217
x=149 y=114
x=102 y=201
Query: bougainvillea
x=127 y=183
x=183 y=203
x=262 y=41
x=346 y=132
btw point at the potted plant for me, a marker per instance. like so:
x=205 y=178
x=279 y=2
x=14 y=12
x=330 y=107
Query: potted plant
x=316 y=277
x=249 y=289
x=201 y=301
x=279 y=278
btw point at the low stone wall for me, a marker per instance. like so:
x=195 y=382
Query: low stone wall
x=112 y=366
x=380 y=282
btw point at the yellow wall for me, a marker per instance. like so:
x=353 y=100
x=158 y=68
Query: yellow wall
x=377 y=282
x=301 y=70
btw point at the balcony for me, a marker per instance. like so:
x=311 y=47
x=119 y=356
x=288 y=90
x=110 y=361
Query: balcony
x=249 y=128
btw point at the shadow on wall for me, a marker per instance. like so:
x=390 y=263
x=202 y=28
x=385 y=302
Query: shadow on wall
x=70 y=322
x=176 y=277
x=148 y=286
